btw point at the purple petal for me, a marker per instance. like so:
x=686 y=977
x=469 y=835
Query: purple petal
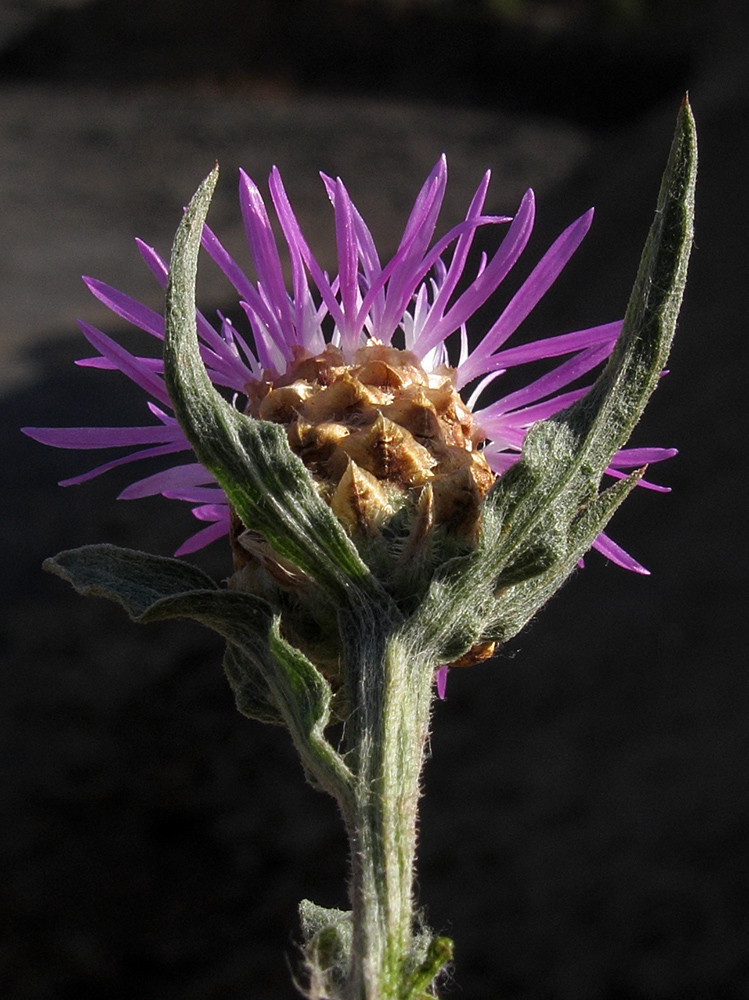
x=196 y=494
x=221 y=257
x=554 y=380
x=484 y=384
x=211 y=512
x=155 y=263
x=177 y=477
x=413 y=245
x=460 y=255
x=423 y=218
x=84 y=438
x=126 y=307
x=155 y=365
x=500 y=461
x=266 y=259
x=367 y=251
x=215 y=249
x=617 y=555
x=220 y=358
x=441 y=676
x=527 y=415
x=635 y=457
x=293 y=235
x=127 y=363
x=165 y=418
x=528 y=295
x=232 y=337
x=216 y=354
x=644 y=483
x=268 y=353
x=486 y=282
x=136 y=456
x=406 y=272
x=551 y=347
x=204 y=537
x=348 y=266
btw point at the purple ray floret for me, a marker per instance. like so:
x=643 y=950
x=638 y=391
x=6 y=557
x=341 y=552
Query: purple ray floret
x=421 y=299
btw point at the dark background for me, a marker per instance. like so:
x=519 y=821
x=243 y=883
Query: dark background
x=585 y=830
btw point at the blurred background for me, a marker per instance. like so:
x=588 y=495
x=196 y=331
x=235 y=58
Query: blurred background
x=585 y=829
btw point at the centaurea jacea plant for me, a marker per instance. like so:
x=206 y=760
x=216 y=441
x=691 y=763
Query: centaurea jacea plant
x=381 y=526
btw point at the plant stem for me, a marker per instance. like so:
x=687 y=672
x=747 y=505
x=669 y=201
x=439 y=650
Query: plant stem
x=386 y=740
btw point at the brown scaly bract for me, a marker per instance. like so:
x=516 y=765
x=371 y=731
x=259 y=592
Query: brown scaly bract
x=378 y=435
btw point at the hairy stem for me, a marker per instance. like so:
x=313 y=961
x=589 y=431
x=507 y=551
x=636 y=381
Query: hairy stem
x=386 y=740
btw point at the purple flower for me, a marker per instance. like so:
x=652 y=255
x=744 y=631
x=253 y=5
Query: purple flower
x=413 y=301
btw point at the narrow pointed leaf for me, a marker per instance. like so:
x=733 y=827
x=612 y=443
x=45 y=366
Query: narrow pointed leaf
x=519 y=604
x=266 y=483
x=565 y=457
x=547 y=502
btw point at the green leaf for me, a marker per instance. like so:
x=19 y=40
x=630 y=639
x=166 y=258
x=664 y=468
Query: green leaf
x=133 y=579
x=252 y=695
x=266 y=483
x=543 y=514
x=295 y=686
x=328 y=941
x=565 y=457
x=271 y=679
x=516 y=606
x=151 y=588
x=533 y=561
x=307 y=697
x=439 y=954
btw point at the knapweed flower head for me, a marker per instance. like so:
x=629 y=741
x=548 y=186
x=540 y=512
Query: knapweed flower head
x=401 y=422
x=391 y=512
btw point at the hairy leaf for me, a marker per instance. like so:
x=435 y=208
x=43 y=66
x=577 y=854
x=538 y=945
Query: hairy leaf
x=545 y=512
x=266 y=483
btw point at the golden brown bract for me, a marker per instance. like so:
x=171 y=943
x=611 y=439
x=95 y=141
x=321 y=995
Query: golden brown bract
x=395 y=453
x=376 y=432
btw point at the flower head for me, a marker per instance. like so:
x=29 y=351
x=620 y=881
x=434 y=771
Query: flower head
x=370 y=371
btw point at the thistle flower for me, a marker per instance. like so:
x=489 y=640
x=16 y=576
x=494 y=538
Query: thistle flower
x=370 y=372
x=381 y=524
